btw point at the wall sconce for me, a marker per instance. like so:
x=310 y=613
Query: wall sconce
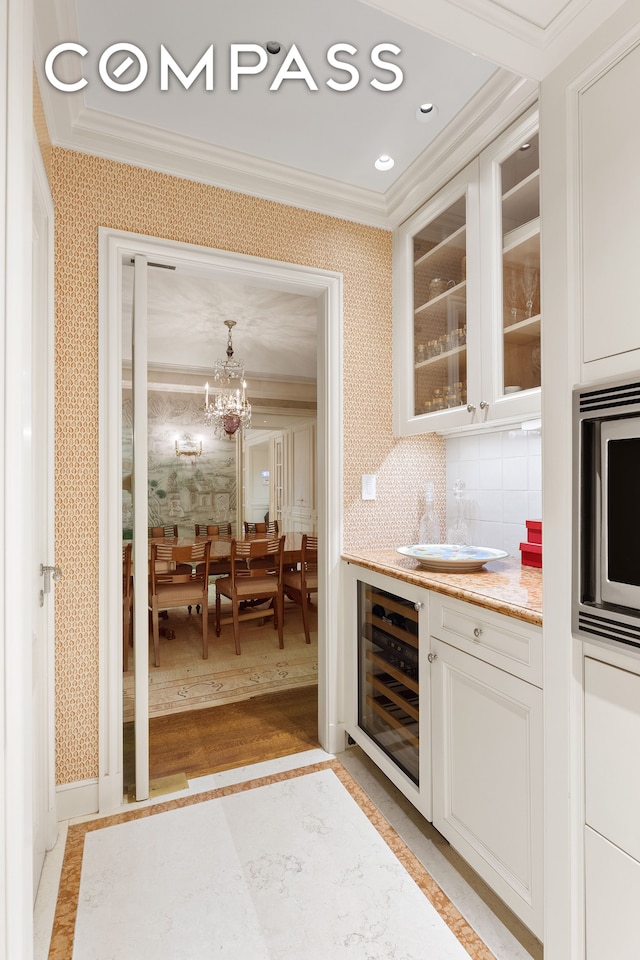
x=188 y=447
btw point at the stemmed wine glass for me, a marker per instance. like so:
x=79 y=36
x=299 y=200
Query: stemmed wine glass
x=512 y=290
x=529 y=286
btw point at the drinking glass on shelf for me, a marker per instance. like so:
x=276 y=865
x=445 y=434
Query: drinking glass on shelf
x=529 y=286
x=512 y=276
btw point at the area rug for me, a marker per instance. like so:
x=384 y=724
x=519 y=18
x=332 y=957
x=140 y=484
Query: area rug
x=185 y=681
x=295 y=864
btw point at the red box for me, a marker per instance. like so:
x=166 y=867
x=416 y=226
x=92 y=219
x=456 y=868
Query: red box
x=531 y=554
x=534 y=531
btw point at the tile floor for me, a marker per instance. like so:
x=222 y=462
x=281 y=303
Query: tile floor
x=494 y=924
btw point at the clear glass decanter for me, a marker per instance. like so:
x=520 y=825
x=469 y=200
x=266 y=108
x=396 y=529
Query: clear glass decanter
x=429 y=531
x=459 y=530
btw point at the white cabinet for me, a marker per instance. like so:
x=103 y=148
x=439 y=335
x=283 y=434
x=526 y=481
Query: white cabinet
x=446 y=698
x=466 y=309
x=610 y=217
x=387 y=671
x=612 y=735
x=612 y=898
x=612 y=809
x=487 y=751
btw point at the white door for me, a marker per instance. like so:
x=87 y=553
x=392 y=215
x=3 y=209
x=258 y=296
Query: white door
x=140 y=524
x=44 y=574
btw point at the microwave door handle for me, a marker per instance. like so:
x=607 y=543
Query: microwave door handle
x=601 y=521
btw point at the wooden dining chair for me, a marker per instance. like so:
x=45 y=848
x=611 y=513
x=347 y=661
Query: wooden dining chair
x=260 y=529
x=299 y=584
x=169 y=530
x=248 y=584
x=127 y=603
x=175 y=588
x=213 y=529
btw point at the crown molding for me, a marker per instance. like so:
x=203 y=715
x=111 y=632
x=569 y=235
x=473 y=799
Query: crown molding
x=93 y=132
x=502 y=100
x=490 y=29
x=76 y=127
x=141 y=145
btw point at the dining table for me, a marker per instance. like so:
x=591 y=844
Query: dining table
x=221 y=546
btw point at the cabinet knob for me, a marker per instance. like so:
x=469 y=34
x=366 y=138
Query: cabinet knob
x=431 y=657
x=471 y=408
x=418 y=606
x=484 y=405
x=477 y=632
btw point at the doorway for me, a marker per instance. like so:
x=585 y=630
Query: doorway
x=325 y=287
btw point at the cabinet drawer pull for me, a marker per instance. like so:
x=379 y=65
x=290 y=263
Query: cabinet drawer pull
x=431 y=657
x=477 y=632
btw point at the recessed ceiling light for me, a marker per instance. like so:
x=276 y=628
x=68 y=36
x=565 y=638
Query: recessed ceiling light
x=426 y=111
x=384 y=162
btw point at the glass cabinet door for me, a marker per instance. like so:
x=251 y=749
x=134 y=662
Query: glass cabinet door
x=520 y=235
x=440 y=311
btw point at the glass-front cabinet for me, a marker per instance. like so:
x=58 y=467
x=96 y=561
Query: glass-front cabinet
x=467 y=295
x=510 y=211
x=435 y=335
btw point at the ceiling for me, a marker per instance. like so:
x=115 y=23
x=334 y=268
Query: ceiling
x=312 y=148
x=275 y=333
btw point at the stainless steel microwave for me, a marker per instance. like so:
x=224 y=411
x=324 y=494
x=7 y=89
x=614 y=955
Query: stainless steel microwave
x=606 y=535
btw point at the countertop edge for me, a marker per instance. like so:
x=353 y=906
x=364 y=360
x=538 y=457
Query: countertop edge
x=421 y=578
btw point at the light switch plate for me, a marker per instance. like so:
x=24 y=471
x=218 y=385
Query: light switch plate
x=369 y=486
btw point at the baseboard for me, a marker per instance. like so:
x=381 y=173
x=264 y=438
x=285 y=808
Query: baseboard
x=77 y=799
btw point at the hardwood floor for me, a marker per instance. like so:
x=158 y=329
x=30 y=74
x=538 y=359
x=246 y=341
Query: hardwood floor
x=199 y=742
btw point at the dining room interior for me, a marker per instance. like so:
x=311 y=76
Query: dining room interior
x=205 y=472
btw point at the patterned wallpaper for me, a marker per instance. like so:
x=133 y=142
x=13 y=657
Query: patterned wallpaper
x=90 y=192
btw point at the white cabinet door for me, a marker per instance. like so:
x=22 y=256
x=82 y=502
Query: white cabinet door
x=487 y=775
x=612 y=897
x=612 y=773
x=510 y=236
x=610 y=218
x=436 y=328
x=466 y=295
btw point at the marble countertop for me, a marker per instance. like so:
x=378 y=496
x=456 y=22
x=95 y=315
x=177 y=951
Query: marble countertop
x=504 y=586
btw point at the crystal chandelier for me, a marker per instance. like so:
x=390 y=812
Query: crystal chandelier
x=228 y=410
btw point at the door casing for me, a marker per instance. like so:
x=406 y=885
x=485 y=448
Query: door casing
x=326 y=286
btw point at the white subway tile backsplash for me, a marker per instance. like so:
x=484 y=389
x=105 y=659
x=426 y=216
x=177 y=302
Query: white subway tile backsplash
x=490 y=446
x=469 y=474
x=535 y=473
x=489 y=505
x=514 y=443
x=502 y=473
x=515 y=504
x=469 y=448
x=515 y=474
x=534 y=511
x=490 y=475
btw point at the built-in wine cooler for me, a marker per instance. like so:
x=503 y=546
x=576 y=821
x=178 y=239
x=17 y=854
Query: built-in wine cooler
x=388 y=675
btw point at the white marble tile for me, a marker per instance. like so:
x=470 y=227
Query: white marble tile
x=289 y=869
x=427 y=844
